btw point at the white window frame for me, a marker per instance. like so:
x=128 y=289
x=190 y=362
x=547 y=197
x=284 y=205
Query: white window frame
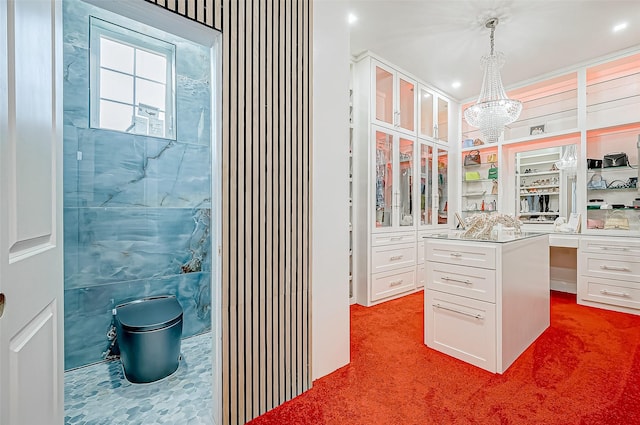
x=98 y=29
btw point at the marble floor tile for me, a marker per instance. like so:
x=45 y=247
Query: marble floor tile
x=99 y=394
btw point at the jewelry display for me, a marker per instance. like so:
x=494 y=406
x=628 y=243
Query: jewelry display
x=481 y=226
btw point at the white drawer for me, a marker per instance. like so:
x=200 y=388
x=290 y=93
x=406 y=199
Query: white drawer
x=389 y=238
x=470 y=254
x=391 y=257
x=462 y=328
x=608 y=291
x=471 y=282
x=420 y=252
x=392 y=283
x=621 y=267
x=421 y=276
x=621 y=245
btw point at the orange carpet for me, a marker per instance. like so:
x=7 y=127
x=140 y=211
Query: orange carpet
x=584 y=369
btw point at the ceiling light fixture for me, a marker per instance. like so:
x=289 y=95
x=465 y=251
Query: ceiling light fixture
x=494 y=109
x=620 y=27
x=352 y=18
x=456 y=84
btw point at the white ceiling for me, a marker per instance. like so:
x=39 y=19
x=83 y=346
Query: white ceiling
x=440 y=41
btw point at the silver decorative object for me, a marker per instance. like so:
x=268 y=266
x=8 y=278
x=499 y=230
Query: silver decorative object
x=481 y=226
x=494 y=109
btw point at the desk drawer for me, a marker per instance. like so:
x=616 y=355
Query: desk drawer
x=621 y=267
x=392 y=238
x=470 y=254
x=391 y=257
x=392 y=283
x=608 y=291
x=462 y=328
x=621 y=246
x=470 y=282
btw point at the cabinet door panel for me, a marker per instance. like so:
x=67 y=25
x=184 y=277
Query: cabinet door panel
x=425 y=100
x=384 y=110
x=407 y=104
x=406 y=204
x=426 y=184
x=462 y=328
x=384 y=183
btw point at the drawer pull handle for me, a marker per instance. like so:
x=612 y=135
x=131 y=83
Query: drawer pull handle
x=456 y=254
x=395 y=238
x=395 y=257
x=396 y=282
x=614 y=268
x=617 y=294
x=614 y=248
x=464 y=313
x=450 y=279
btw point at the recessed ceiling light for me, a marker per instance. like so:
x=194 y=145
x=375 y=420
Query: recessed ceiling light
x=427 y=95
x=620 y=27
x=456 y=84
x=352 y=18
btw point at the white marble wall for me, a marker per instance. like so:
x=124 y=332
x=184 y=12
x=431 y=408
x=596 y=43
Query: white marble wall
x=137 y=208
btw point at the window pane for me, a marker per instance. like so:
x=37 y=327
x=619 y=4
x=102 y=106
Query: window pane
x=151 y=66
x=116 y=86
x=149 y=93
x=116 y=55
x=115 y=116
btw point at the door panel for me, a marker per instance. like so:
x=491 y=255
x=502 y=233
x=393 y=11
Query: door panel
x=31 y=360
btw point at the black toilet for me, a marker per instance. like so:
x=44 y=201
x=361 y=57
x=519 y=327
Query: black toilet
x=149 y=332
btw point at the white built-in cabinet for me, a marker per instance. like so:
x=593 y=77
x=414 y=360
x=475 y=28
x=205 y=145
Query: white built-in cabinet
x=400 y=178
x=486 y=302
x=393 y=98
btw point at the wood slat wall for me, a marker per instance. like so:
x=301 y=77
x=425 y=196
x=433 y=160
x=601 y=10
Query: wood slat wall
x=266 y=204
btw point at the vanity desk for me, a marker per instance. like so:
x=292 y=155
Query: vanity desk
x=486 y=301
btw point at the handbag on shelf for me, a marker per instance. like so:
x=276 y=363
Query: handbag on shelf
x=593 y=223
x=492 y=157
x=616 y=220
x=619 y=159
x=472 y=175
x=478 y=142
x=596 y=182
x=493 y=172
x=472 y=158
x=594 y=163
x=494 y=188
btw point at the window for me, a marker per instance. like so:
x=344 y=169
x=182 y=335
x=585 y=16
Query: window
x=132 y=80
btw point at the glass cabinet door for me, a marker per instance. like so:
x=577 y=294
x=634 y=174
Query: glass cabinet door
x=426 y=113
x=426 y=185
x=406 y=104
x=384 y=180
x=443 y=119
x=443 y=186
x=405 y=182
x=384 y=109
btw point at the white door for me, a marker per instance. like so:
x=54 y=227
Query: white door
x=31 y=347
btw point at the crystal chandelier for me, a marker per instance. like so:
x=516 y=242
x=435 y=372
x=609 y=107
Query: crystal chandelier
x=494 y=109
x=569 y=161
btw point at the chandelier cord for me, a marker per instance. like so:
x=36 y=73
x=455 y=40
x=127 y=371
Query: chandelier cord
x=493 y=29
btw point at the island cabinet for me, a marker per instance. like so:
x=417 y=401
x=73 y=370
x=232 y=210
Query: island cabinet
x=486 y=301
